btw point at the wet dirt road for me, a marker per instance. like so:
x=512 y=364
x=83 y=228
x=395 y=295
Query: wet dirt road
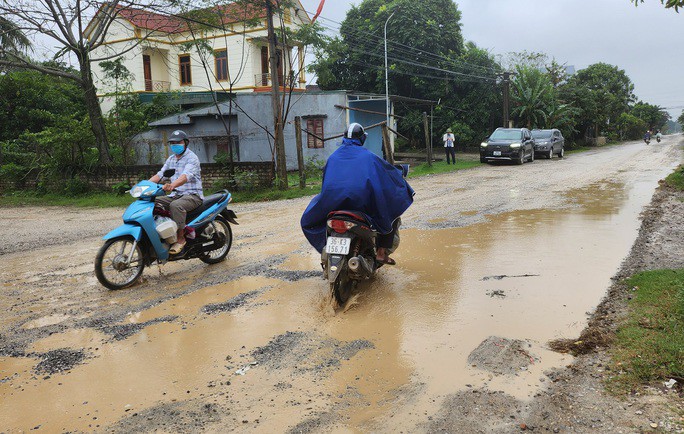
x=494 y=263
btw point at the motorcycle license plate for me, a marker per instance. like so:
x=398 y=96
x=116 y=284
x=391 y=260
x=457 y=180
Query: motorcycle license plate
x=497 y=153
x=338 y=245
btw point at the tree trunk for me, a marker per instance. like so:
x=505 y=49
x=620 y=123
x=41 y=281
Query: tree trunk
x=97 y=123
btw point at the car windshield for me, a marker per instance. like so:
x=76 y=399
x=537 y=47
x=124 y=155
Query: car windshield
x=541 y=134
x=505 y=135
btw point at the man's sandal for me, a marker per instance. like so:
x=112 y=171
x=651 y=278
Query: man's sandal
x=387 y=261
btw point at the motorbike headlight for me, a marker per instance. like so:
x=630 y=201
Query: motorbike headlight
x=483 y=145
x=515 y=145
x=136 y=192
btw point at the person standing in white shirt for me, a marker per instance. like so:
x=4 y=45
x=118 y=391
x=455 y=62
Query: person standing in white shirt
x=449 y=140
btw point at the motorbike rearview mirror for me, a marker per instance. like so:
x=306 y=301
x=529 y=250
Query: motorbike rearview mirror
x=169 y=173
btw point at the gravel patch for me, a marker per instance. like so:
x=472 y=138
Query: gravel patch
x=60 y=360
x=173 y=417
x=307 y=352
x=235 y=302
x=119 y=332
x=501 y=356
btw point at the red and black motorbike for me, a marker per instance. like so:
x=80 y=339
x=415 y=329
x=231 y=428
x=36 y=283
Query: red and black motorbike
x=349 y=254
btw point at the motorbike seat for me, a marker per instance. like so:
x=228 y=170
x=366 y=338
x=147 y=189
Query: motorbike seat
x=207 y=203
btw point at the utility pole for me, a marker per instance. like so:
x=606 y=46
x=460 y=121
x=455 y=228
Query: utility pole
x=281 y=162
x=428 y=145
x=387 y=100
x=506 y=85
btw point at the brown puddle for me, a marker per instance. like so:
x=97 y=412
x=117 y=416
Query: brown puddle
x=528 y=275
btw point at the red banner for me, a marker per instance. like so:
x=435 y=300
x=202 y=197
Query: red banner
x=318 y=11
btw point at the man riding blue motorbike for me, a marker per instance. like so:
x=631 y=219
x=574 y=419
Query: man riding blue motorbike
x=355 y=179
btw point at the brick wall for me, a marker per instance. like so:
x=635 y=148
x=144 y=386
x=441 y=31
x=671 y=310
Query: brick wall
x=249 y=175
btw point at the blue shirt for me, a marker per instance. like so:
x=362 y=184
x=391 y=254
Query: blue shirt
x=188 y=164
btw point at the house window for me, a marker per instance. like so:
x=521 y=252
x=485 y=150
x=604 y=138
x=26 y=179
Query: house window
x=185 y=75
x=221 y=57
x=315 y=126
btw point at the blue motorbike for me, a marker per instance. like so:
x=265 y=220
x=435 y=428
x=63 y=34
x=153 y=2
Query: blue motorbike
x=139 y=241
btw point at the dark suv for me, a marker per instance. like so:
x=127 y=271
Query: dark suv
x=548 y=143
x=508 y=144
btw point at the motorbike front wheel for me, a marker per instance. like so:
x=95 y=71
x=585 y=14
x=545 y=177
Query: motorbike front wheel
x=119 y=263
x=220 y=228
x=342 y=287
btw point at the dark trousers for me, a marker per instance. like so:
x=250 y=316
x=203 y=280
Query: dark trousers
x=450 y=151
x=179 y=206
x=387 y=240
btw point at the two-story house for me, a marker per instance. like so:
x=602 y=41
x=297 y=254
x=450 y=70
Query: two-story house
x=201 y=55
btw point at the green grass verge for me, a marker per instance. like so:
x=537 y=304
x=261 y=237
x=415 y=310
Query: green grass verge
x=649 y=346
x=676 y=179
x=94 y=200
x=441 y=167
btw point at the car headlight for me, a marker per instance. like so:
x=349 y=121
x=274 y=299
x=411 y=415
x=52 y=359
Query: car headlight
x=483 y=145
x=514 y=145
x=138 y=191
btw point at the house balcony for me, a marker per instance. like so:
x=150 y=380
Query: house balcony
x=157 y=86
x=263 y=83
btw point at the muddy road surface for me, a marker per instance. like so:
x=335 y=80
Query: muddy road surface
x=494 y=263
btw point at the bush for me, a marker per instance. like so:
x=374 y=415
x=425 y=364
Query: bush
x=76 y=187
x=242 y=180
x=14 y=173
x=313 y=168
x=245 y=180
x=120 y=188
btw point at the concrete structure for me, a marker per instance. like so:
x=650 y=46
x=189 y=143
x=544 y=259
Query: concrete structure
x=168 y=53
x=248 y=117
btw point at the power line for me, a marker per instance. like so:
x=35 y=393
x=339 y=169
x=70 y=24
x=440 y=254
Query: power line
x=407 y=48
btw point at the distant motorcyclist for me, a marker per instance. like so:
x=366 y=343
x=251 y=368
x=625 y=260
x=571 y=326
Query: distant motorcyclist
x=355 y=179
x=659 y=136
x=647 y=137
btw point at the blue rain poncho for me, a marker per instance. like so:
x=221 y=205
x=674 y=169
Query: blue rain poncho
x=355 y=179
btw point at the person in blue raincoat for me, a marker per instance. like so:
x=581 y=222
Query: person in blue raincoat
x=356 y=179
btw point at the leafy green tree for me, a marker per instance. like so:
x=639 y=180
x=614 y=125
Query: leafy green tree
x=31 y=101
x=602 y=92
x=653 y=116
x=680 y=119
x=676 y=4
x=630 y=126
x=12 y=39
x=427 y=59
x=354 y=60
x=531 y=96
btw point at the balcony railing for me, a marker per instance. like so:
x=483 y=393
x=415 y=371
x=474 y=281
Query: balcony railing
x=261 y=80
x=157 y=86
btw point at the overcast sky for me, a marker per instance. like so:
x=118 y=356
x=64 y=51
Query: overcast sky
x=646 y=41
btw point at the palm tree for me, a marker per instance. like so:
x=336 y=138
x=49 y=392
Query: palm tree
x=531 y=95
x=12 y=39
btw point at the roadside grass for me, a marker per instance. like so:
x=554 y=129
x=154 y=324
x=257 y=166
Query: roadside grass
x=92 y=200
x=649 y=346
x=676 y=179
x=442 y=167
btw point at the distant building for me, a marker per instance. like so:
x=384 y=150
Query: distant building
x=157 y=49
x=248 y=117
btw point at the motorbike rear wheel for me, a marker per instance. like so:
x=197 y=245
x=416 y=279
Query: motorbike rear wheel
x=221 y=228
x=342 y=287
x=117 y=264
